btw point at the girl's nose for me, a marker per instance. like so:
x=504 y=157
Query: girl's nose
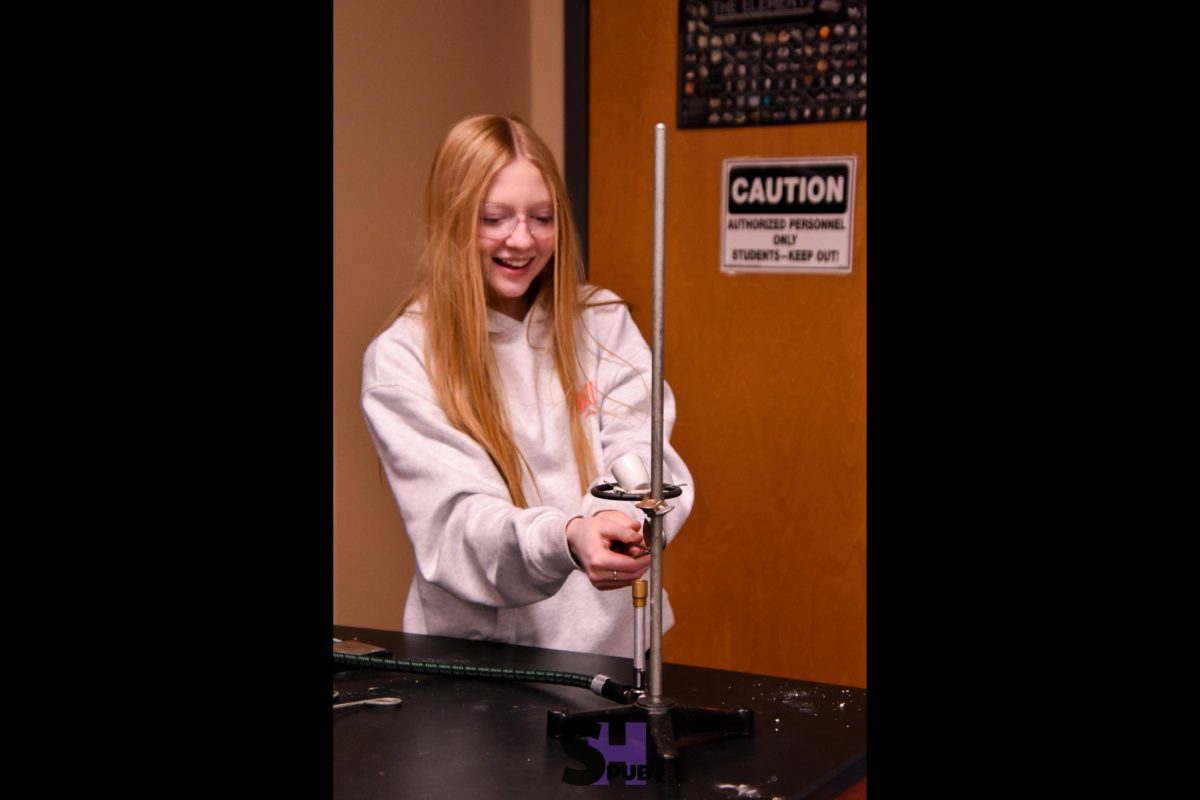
x=520 y=234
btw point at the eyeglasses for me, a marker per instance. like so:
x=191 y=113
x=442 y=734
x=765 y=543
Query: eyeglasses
x=501 y=226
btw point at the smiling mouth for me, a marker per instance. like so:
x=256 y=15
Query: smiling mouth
x=519 y=264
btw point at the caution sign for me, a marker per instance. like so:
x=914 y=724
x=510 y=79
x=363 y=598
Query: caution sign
x=788 y=215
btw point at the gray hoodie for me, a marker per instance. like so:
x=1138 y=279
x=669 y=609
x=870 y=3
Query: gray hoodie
x=485 y=568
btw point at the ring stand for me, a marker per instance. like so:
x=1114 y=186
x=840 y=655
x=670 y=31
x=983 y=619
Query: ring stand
x=666 y=721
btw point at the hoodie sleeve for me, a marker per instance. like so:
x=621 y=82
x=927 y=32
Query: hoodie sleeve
x=468 y=538
x=624 y=394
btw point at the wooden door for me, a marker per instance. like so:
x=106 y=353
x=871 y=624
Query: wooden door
x=769 y=373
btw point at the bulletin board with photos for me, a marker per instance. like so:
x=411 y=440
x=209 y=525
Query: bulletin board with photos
x=771 y=62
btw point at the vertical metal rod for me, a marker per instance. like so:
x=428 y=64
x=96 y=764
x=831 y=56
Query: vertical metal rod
x=656 y=431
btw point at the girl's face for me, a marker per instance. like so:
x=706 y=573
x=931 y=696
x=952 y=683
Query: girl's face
x=516 y=236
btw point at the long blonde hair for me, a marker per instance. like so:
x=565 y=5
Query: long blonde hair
x=458 y=354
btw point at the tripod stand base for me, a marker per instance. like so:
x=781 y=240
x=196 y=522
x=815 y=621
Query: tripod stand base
x=666 y=723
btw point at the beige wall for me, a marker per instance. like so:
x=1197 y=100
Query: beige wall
x=404 y=72
x=546 y=74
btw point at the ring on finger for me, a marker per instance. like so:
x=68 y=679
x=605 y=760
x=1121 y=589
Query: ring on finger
x=614 y=575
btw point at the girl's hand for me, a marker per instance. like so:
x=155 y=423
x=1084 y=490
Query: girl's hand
x=591 y=540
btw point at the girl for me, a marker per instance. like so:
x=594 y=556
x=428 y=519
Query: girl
x=502 y=389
